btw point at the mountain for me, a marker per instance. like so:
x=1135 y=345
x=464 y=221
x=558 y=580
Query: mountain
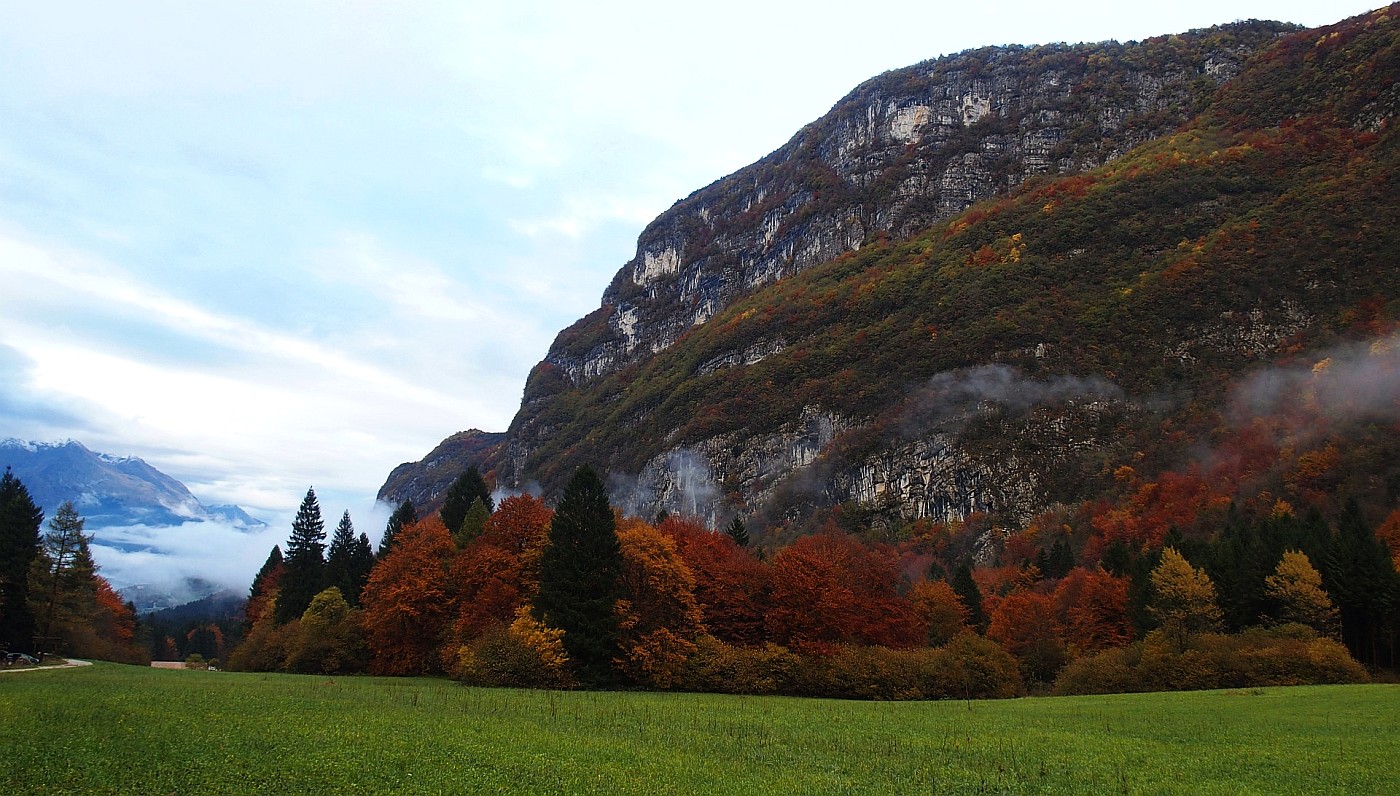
x=1007 y=280
x=426 y=482
x=109 y=491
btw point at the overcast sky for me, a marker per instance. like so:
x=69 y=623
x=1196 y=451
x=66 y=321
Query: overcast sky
x=267 y=245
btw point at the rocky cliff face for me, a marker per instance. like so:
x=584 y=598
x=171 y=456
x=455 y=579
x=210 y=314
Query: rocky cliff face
x=812 y=330
x=904 y=150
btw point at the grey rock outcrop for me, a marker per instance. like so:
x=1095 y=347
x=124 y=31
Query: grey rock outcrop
x=905 y=150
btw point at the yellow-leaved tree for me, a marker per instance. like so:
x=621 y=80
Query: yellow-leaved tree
x=1297 y=588
x=1183 y=599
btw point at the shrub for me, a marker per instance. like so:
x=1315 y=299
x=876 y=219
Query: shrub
x=717 y=667
x=1285 y=655
x=525 y=655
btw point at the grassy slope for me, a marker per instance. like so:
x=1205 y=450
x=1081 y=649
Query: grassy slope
x=117 y=729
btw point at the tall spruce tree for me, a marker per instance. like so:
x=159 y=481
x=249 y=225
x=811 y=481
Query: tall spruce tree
x=467 y=488
x=20 y=524
x=264 y=589
x=738 y=532
x=971 y=596
x=1360 y=577
x=472 y=524
x=404 y=515
x=339 y=559
x=579 y=578
x=361 y=564
x=348 y=561
x=69 y=590
x=305 y=561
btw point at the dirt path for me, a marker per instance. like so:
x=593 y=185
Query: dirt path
x=71 y=663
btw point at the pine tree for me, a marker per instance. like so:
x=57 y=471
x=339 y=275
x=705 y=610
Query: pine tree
x=1237 y=562
x=404 y=515
x=20 y=524
x=1060 y=560
x=1361 y=579
x=468 y=487
x=264 y=589
x=738 y=532
x=579 y=577
x=69 y=589
x=305 y=561
x=472 y=524
x=344 y=569
x=361 y=563
x=971 y=596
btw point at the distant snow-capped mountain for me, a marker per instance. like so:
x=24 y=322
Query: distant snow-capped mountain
x=109 y=491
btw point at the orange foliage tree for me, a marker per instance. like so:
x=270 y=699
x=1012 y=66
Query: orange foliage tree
x=938 y=607
x=406 y=601
x=829 y=589
x=494 y=575
x=731 y=586
x=658 y=616
x=1092 y=606
x=1025 y=625
x=1389 y=533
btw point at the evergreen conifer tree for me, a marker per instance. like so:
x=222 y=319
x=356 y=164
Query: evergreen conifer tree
x=265 y=584
x=68 y=588
x=472 y=524
x=20 y=524
x=468 y=487
x=738 y=532
x=404 y=515
x=361 y=563
x=1060 y=560
x=1360 y=577
x=966 y=589
x=305 y=561
x=345 y=568
x=579 y=577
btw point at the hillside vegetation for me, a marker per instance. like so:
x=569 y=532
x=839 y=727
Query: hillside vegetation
x=1262 y=233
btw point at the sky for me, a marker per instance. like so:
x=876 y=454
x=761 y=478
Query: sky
x=272 y=245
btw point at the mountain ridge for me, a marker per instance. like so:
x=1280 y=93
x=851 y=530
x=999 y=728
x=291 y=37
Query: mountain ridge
x=109 y=490
x=884 y=369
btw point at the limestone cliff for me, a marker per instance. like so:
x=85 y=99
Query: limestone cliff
x=979 y=284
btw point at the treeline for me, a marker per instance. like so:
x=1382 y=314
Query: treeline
x=580 y=596
x=51 y=598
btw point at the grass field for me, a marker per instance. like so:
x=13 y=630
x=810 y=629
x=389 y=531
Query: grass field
x=120 y=729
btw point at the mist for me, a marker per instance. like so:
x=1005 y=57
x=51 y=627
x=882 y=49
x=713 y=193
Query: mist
x=167 y=558
x=1350 y=383
x=949 y=399
x=681 y=483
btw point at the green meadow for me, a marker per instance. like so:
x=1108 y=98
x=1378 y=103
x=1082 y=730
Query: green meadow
x=121 y=729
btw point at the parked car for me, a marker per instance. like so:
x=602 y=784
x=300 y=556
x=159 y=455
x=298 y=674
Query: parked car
x=20 y=658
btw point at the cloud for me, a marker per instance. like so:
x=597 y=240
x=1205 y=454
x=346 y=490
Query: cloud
x=28 y=412
x=165 y=557
x=218 y=552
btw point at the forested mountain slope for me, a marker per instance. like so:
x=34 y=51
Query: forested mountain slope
x=1008 y=280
